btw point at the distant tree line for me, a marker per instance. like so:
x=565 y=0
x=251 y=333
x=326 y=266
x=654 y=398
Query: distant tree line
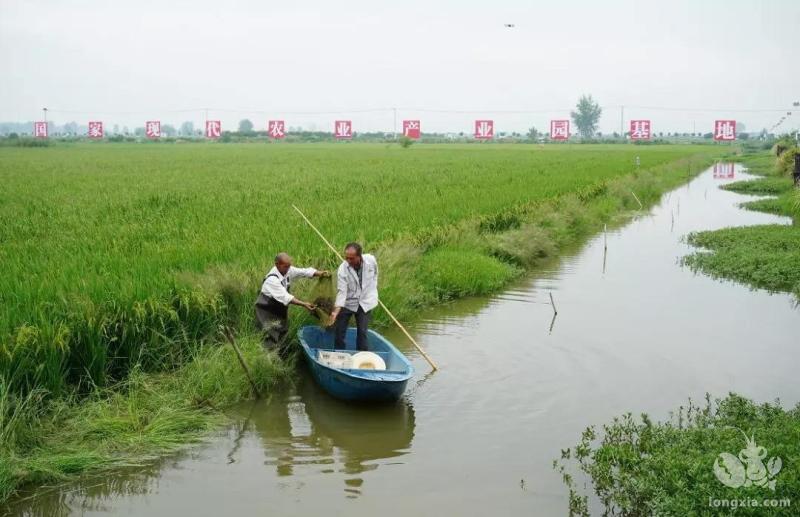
x=585 y=119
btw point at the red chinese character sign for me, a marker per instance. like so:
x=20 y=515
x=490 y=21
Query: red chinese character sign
x=277 y=128
x=559 y=129
x=343 y=129
x=725 y=130
x=640 y=130
x=484 y=129
x=40 y=129
x=213 y=128
x=411 y=129
x=95 y=129
x=152 y=129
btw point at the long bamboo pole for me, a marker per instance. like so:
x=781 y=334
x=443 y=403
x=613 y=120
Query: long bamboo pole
x=336 y=252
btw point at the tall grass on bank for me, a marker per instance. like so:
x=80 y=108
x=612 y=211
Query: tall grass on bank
x=46 y=440
x=764 y=256
x=98 y=241
x=641 y=467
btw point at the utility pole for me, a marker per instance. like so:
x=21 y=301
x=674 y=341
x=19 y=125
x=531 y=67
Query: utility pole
x=45 y=115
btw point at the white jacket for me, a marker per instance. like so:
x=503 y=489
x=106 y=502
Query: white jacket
x=350 y=294
x=277 y=286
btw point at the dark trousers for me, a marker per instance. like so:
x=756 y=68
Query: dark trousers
x=273 y=326
x=362 y=324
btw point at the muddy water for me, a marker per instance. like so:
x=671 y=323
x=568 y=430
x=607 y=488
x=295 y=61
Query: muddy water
x=634 y=331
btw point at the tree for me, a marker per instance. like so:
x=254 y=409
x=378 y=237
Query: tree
x=533 y=134
x=245 y=126
x=187 y=128
x=168 y=130
x=587 y=116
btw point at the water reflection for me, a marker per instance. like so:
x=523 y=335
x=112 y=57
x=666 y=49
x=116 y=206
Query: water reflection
x=298 y=433
x=308 y=428
x=92 y=495
x=724 y=170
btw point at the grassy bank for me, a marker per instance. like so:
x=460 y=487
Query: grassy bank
x=642 y=467
x=767 y=256
x=44 y=440
x=123 y=362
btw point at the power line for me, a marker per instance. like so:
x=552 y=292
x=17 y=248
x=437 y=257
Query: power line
x=484 y=111
x=279 y=111
x=710 y=110
x=221 y=110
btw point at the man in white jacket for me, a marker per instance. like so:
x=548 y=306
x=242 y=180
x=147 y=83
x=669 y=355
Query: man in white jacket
x=357 y=294
x=272 y=305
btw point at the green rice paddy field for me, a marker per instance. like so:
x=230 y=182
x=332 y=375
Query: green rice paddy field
x=115 y=255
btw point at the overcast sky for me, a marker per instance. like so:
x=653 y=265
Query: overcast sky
x=127 y=62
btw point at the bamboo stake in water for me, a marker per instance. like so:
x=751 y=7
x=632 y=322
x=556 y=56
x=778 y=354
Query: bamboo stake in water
x=553 y=303
x=336 y=252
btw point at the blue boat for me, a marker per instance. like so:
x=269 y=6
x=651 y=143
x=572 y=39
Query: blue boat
x=356 y=384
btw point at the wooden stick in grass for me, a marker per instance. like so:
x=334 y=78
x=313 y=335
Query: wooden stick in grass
x=229 y=336
x=336 y=252
x=637 y=200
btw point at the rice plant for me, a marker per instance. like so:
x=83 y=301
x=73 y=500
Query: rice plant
x=119 y=256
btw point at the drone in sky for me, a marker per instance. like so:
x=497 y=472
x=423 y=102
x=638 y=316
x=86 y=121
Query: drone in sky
x=508 y=25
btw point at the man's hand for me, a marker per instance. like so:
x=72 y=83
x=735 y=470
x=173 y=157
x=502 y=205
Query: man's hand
x=332 y=317
x=309 y=306
x=324 y=273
